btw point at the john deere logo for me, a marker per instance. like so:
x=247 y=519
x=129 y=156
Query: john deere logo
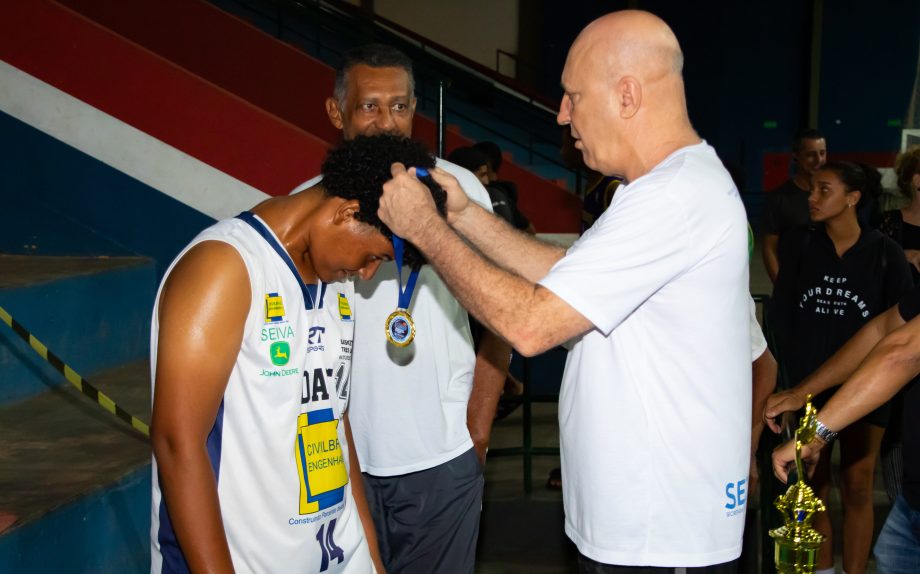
x=280 y=353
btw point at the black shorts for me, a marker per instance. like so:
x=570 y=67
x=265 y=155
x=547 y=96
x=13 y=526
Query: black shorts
x=588 y=566
x=427 y=522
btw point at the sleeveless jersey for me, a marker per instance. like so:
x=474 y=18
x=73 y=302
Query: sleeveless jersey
x=278 y=446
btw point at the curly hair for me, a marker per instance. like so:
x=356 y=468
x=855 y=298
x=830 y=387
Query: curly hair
x=358 y=168
x=907 y=164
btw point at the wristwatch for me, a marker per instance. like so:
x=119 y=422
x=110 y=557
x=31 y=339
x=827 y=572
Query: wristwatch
x=824 y=433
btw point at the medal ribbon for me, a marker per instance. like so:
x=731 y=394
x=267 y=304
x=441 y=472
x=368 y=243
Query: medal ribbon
x=405 y=295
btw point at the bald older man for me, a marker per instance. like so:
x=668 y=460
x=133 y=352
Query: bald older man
x=655 y=403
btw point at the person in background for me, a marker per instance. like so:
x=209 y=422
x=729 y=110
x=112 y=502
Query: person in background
x=834 y=277
x=882 y=359
x=504 y=204
x=505 y=188
x=421 y=415
x=787 y=205
x=902 y=225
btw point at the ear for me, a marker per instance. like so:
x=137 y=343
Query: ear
x=853 y=197
x=334 y=113
x=346 y=211
x=629 y=96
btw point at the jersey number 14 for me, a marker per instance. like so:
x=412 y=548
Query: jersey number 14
x=328 y=546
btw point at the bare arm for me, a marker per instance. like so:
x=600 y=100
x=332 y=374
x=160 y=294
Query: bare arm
x=510 y=248
x=890 y=366
x=887 y=368
x=488 y=382
x=203 y=309
x=764 y=381
x=835 y=370
x=770 y=257
x=357 y=491
x=528 y=316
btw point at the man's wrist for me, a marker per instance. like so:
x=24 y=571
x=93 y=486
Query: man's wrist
x=461 y=218
x=801 y=392
x=823 y=434
x=427 y=228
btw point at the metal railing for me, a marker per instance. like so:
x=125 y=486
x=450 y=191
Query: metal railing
x=319 y=25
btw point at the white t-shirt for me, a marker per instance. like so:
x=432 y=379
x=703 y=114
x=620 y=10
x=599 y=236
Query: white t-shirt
x=758 y=341
x=655 y=406
x=278 y=446
x=408 y=405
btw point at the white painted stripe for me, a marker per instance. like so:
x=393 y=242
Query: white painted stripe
x=123 y=147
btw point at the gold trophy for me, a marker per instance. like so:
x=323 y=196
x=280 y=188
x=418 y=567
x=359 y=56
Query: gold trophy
x=796 y=543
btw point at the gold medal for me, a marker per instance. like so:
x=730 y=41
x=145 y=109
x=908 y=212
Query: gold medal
x=400 y=328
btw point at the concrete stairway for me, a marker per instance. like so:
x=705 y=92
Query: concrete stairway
x=74 y=480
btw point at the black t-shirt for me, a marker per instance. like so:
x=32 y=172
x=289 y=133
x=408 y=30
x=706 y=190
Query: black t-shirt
x=905 y=234
x=820 y=299
x=504 y=203
x=787 y=208
x=909 y=307
x=910 y=236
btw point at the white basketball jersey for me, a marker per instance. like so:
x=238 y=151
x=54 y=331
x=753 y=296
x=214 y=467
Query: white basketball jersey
x=278 y=445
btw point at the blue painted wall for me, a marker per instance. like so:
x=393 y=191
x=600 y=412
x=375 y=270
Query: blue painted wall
x=106 y=532
x=747 y=63
x=868 y=68
x=93 y=322
x=64 y=202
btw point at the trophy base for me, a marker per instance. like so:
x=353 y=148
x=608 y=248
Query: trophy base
x=795 y=557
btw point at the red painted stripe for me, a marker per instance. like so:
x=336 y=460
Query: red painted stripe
x=226 y=51
x=241 y=101
x=91 y=63
x=776 y=165
x=284 y=81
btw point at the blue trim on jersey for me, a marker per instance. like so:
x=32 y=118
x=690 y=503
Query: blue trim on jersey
x=319 y=416
x=173 y=559
x=329 y=499
x=215 y=441
x=309 y=291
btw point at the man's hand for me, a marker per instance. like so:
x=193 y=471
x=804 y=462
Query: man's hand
x=781 y=402
x=457 y=200
x=784 y=458
x=406 y=206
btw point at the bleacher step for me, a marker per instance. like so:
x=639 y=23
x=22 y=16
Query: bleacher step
x=92 y=312
x=59 y=445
